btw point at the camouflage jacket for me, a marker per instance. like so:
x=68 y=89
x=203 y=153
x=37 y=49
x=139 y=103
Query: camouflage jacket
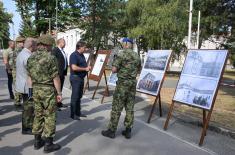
x=42 y=67
x=128 y=64
x=8 y=53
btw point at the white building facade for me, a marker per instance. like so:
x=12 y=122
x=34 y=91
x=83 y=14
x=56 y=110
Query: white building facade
x=71 y=38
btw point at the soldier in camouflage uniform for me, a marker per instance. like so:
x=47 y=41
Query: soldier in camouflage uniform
x=44 y=77
x=8 y=61
x=19 y=46
x=126 y=65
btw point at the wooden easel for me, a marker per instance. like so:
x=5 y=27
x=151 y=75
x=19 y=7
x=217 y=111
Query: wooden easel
x=106 y=87
x=206 y=117
x=102 y=72
x=158 y=97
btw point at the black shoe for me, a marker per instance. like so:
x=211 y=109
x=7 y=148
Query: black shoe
x=82 y=115
x=76 y=118
x=127 y=133
x=27 y=131
x=108 y=133
x=38 y=142
x=49 y=146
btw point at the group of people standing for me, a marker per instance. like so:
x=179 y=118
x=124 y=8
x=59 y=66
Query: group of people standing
x=39 y=77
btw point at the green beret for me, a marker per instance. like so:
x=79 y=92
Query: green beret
x=20 y=39
x=46 y=40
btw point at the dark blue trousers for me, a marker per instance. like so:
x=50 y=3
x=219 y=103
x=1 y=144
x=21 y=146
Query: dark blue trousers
x=10 y=81
x=77 y=84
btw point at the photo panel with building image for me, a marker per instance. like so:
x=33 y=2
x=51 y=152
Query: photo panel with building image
x=207 y=63
x=149 y=82
x=98 y=64
x=157 y=59
x=195 y=91
x=200 y=77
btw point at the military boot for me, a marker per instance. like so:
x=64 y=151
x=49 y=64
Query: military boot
x=38 y=142
x=127 y=133
x=108 y=133
x=49 y=146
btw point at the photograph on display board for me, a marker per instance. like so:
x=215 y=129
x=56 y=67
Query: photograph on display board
x=112 y=79
x=149 y=82
x=153 y=71
x=195 y=91
x=98 y=64
x=86 y=55
x=157 y=60
x=208 y=63
x=200 y=77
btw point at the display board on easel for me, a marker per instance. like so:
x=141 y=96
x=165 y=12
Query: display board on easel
x=199 y=83
x=98 y=70
x=152 y=76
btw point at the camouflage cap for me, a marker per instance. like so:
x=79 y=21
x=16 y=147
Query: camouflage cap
x=46 y=40
x=20 y=39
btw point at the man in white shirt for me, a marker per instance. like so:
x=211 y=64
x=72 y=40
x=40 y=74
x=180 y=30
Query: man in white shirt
x=62 y=61
x=22 y=87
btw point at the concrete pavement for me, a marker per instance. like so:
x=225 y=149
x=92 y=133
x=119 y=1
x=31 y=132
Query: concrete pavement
x=84 y=138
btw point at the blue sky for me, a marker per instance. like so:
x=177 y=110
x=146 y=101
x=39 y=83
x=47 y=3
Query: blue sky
x=10 y=7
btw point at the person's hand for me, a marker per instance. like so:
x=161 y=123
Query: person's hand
x=59 y=98
x=9 y=71
x=88 y=68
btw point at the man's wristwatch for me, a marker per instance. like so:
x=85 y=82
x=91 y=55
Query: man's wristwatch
x=59 y=94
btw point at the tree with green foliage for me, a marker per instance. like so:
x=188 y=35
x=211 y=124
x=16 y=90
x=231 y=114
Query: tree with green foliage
x=36 y=15
x=217 y=18
x=162 y=23
x=5 y=20
x=100 y=18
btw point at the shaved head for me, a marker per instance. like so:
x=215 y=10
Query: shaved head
x=60 y=43
x=11 y=44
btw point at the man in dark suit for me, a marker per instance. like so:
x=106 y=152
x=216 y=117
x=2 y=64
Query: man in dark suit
x=61 y=57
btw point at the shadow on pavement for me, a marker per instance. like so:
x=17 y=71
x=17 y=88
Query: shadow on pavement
x=76 y=129
x=4 y=133
x=16 y=150
x=10 y=120
x=6 y=108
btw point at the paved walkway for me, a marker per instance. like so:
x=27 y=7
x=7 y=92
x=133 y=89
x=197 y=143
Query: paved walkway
x=84 y=138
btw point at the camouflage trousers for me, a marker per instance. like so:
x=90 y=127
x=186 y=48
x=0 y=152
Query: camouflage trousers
x=45 y=111
x=28 y=112
x=18 y=96
x=123 y=97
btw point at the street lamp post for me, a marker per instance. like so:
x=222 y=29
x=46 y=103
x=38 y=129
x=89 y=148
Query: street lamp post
x=198 y=28
x=56 y=18
x=190 y=24
x=49 y=21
